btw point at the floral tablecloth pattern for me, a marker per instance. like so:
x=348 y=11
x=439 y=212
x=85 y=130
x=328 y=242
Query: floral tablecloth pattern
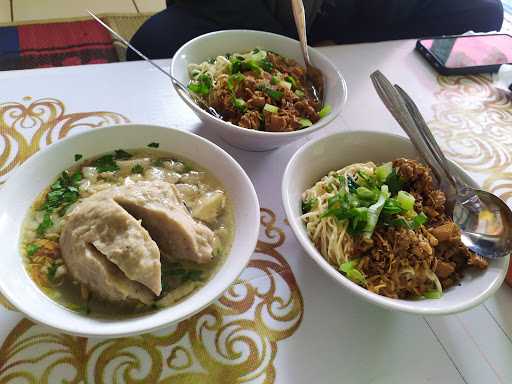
x=283 y=321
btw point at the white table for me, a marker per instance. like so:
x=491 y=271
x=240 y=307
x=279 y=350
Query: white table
x=325 y=334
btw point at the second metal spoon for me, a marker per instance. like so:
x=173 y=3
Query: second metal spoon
x=314 y=77
x=175 y=81
x=484 y=219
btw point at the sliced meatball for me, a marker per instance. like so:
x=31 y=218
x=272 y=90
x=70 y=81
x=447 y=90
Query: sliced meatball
x=102 y=277
x=167 y=220
x=118 y=236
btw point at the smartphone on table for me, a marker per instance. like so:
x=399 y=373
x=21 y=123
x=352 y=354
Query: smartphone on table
x=467 y=54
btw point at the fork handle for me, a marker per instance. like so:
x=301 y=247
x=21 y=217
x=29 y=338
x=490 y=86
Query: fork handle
x=299 y=15
x=398 y=108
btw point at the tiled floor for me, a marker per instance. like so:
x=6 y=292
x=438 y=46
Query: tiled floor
x=27 y=10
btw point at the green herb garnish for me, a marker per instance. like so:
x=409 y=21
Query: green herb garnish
x=105 y=163
x=418 y=220
x=304 y=123
x=78 y=156
x=50 y=273
x=153 y=145
x=270 y=108
x=231 y=82
x=392 y=207
x=351 y=183
x=239 y=104
x=235 y=66
x=291 y=80
x=405 y=200
x=394 y=182
x=308 y=205
x=177 y=271
x=374 y=211
x=121 y=154
x=63 y=192
x=350 y=270
x=158 y=163
x=266 y=65
x=202 y=85
x=46 y=224
x=432 y=294
x=275 y=95
x=250 y=65
x=137 y=169
x=31 y=249
x=369 y=201
x=327 y=109
x=383 y=171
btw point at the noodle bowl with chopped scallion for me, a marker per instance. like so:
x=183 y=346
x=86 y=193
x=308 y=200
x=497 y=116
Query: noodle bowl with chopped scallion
x=386 y=229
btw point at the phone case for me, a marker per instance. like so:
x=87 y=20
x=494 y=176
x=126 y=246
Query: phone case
x=439 y=67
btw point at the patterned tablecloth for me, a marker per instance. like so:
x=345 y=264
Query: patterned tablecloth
x=283 y=321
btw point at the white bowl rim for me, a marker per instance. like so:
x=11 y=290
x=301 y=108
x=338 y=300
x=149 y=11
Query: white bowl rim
x=382 y=301
x=125 y=328
x=336 y=110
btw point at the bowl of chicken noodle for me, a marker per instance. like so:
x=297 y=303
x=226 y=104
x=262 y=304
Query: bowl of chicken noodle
x=371 y=214
x=256 y=82
x=111 y=232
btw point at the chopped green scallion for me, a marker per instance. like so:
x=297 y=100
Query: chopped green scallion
x=374 y=212
x=383 y=171
x=239 y=104
x=325 y=111
x=270 y=108
x=433 y=294
x=365 y=193
x=419 y=220
x=291 y=80
x=405 y=200
x=304 y=123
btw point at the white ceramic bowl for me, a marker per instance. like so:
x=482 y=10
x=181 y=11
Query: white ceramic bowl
x=317 y=158
x=218 y=43
x=40 y=170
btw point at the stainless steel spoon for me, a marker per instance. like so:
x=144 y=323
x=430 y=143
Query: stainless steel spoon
x=484 y=219
x=314 y=77
x=175 y=81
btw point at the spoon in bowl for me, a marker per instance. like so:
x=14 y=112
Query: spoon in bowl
x=179 y=84
x=484 y=219
x=314 y=77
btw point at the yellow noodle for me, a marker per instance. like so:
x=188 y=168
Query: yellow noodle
x=330 y=234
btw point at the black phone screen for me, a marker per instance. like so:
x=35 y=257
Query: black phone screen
x=470 y=50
